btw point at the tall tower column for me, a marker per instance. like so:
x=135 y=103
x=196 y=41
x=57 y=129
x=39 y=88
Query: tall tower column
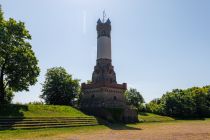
x=104 y=71
x=104 y=40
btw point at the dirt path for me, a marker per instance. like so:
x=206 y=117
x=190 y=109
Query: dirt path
x=158 y=131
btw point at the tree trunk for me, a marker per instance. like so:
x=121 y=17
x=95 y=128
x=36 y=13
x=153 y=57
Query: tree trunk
x=2 y=92
x=2 y=88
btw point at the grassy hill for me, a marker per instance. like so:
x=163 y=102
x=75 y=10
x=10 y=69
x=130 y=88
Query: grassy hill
x=16 y=110
x=149 y=117
x=39 y=111
x=43 y=116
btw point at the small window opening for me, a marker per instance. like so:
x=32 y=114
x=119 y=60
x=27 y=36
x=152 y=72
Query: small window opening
x=115 y=98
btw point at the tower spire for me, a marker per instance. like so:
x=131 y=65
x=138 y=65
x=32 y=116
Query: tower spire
x=104 y=16
x=103 y=38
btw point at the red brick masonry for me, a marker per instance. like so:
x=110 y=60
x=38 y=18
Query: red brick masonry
x=117 y=86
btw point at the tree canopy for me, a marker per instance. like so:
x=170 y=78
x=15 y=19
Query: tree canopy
x=59 y=87
x=18 y=64
x=191 y=102
x=134 y=98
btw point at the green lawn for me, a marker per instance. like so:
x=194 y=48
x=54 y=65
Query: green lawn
x=66 y=111
x=64 y=133
x=48 y=132
x=149 y=117
x=39 y=111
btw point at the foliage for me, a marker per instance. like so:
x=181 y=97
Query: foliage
x=36 y=103
x=18 y=64
x=133 y=97
x=59 y=87
x=189 y=103
x=1 y=15
x=9 y=95
x=155 y=106
x=89 y=81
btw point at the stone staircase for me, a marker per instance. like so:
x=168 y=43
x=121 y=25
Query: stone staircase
x=47 y=122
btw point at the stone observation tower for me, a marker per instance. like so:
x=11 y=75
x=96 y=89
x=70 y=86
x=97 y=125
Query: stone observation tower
x=103 y=95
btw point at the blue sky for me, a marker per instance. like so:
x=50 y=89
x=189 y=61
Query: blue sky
x=157 y=45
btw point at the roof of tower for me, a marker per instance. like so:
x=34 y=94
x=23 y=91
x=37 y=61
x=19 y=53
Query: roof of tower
x=99 y=21
x=108 y=21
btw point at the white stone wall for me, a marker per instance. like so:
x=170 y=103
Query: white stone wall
x=104 y=47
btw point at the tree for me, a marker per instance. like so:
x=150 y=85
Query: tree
x=188 y=103
x=208 y=102
x=59 y=87
x=134 y=98
x=89 y=81
x=18 y=64
x=155 y=106
x=200 y=99
x=178 y=103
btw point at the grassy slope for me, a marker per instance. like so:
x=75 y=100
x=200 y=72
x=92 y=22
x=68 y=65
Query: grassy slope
x=149 y=117
x=39 y=111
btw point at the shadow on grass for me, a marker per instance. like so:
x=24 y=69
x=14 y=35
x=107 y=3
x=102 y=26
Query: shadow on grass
x=11 y=111
x=113 y=124
x=143 y=114
x=121 y=126
x=188 y=119
x=11 y=114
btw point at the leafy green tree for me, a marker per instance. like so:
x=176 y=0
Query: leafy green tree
x=155 y=106
x=178 y=103
x=59 y=87
x=200 y=99
x=208 y=102
x=191 y=102
x=18 y=64
x=1 y=15
x=134 y=98
x=89 y=81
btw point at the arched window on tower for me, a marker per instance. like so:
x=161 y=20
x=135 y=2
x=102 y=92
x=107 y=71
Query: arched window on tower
x=115 y=98
x=103 y=33
x=97 y=71
x=110 y=71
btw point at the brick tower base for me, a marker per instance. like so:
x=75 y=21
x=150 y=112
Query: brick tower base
x=107 y=101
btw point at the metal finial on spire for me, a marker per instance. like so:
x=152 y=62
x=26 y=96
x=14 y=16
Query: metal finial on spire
x=104 y=16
